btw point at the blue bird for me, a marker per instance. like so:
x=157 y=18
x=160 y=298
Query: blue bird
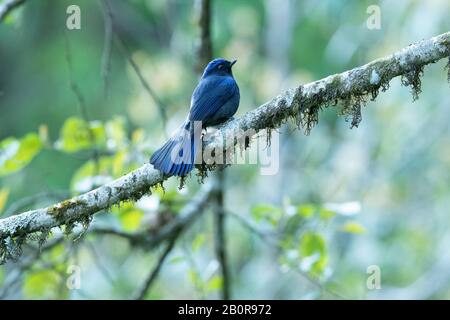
x=214 y=101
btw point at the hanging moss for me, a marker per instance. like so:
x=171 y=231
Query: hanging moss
x=331 y=95
x=351 y=110
x=412 y=79
x=11 y=248
x=202 y=172
x=4 y=254
x=161 y=185
x=58 y=211
x=182 y=182
x=40 y=236
x=448 y=69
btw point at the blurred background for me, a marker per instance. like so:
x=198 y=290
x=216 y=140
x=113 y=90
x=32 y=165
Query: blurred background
x=75 y=114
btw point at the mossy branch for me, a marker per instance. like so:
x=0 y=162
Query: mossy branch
x=302 y=104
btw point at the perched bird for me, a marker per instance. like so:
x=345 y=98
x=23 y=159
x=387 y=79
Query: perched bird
x=214 y=101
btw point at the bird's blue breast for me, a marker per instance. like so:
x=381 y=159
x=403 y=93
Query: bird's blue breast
x=226 y=111
x=215 y=100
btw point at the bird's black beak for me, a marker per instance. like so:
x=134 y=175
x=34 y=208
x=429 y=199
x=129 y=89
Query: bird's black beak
x=233 y=62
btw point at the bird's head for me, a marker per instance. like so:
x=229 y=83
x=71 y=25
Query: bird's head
x=219 y=67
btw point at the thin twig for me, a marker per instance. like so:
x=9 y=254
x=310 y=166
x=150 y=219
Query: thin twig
x=264 y=235
x=220 y=236
x=73 y=85
x=142 y=292
x=106 y=55
x=96 y=257
x=204 y=46
x=159 y=103
x=106 y=60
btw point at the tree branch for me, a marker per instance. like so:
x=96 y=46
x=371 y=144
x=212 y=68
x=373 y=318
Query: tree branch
x=147 y=239
x=301 y=104
x=220 y=235
x=143 y=290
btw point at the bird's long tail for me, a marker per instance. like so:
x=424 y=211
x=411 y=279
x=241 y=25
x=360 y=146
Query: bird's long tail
x=177 y=155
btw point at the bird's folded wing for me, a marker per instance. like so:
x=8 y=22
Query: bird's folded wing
x=210 y=95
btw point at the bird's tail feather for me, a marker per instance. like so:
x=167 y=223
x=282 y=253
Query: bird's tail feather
x=177 y=155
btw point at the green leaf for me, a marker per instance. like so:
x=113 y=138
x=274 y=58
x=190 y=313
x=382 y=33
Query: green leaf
x=15 y=154
x=98 y=133
x=57 y=252
x=43 y=133
x=116 y=133
x=353 y=227
x=4 y=192
x=214 y=284
x=119 y=163
x=137 y=136
x=9 y=20
x=176 y=260
x=76 y=134
x=14 y=16
x=306 y=210
x=326 y=214
x=292 y=225
x=131 y=220
x=122 y=163
x=123 y=207
x=268 y=213
x=198 y=242
x=130 y=217
x=90 y=174
x=42 y=284
x=313 y=245
x=166 y=194
x=194 y=278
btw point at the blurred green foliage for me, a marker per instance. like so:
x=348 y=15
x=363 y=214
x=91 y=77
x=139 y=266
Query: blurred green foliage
x=341 y=201
x=17 y=153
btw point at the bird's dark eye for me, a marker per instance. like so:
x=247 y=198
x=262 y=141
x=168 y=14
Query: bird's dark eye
x=220 y=66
